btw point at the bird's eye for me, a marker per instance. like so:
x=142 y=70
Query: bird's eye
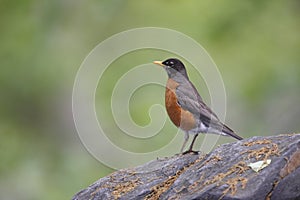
x=171 y=63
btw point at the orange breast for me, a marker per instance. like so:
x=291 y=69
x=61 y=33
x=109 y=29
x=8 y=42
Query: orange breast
x=180 y=117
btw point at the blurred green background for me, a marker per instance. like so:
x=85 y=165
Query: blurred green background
x=255 y=44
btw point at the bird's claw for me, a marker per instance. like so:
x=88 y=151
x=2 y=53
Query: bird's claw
x=191 y=151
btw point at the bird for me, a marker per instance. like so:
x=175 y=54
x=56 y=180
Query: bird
x=185 y=107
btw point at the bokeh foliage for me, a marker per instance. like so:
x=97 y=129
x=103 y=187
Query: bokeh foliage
x=255 y=44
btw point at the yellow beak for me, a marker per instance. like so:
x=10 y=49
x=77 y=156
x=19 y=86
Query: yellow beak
x=158 y=63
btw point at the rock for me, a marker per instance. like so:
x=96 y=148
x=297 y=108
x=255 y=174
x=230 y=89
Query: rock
x=222 y=174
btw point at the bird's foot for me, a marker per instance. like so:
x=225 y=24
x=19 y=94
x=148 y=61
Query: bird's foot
x=190 y=151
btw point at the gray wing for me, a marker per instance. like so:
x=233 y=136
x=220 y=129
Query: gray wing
x=189 y=99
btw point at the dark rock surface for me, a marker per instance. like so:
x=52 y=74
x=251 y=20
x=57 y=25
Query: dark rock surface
x=222 y=174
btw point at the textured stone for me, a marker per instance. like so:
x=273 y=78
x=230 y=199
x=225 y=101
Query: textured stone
x=222 y=174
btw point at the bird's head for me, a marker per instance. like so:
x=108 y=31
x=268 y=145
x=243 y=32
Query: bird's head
x=173 y=66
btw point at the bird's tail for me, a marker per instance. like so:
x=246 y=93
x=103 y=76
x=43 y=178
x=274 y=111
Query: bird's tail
x=228 y=131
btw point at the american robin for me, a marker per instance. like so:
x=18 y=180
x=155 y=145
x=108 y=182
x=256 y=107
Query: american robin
x=186 y=108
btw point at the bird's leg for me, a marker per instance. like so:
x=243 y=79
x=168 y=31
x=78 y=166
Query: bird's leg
x=190 y=150
x=192 y=144
x=186 y=138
